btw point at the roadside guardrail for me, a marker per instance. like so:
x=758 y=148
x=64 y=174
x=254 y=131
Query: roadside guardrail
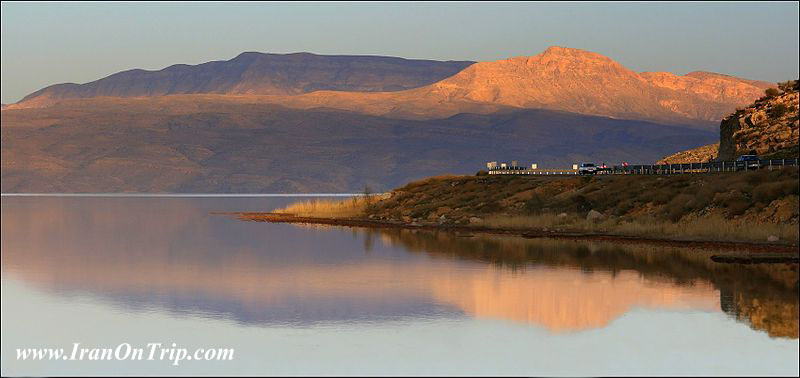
x=659 y=169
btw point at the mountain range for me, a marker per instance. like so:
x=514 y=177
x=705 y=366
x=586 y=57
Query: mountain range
x=262 y=74
x=304 y=122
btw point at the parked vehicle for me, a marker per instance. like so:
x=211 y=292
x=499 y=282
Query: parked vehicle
x=587 y=169
x=745 y=162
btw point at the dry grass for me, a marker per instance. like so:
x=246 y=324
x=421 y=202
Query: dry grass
x=339 y=208
x=713 y=227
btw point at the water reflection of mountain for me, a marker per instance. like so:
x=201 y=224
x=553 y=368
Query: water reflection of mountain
x=763 y=295
x=291 y=310
x=170 y=255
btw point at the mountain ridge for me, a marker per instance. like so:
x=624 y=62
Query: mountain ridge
x=559 y=78
x=258 y=73
x=581 y=82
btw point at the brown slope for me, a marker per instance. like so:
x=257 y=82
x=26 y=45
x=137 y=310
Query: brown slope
x=560 y=79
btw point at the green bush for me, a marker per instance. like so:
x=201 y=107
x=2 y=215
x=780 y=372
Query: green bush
x=787 y=86
x=662 y=195
x=582 y=204
x=768 y=192
x=734 y=201
x=778 y=110
x=772 y=92
x=533 y=205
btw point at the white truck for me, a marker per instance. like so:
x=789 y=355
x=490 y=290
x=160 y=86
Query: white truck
x=587 y=169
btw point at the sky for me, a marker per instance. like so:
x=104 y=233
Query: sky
x=50 y=43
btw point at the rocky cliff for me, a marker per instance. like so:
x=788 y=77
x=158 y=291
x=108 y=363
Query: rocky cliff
x=768 y=127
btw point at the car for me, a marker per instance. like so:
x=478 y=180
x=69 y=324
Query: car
x=587 y=169
x=747 y=162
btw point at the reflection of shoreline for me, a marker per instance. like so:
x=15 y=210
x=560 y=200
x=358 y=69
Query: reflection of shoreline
x=189 y=262
x=780 y=252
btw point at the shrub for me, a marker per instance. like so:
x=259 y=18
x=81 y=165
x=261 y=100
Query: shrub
x=770 y=191
x=772 y=92
x=778 y=110
x=582 y=204
x=787 y=86
x=679 y=206
x=661 y=195
x=533 y=205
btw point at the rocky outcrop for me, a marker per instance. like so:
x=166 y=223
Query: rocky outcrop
x=695 y=155
x=767 y=126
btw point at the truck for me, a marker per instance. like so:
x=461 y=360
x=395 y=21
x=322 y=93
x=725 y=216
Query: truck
x=587 y=169
x=746 y=162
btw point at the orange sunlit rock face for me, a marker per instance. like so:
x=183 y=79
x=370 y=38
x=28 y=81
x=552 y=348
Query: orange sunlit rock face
x=559 y=78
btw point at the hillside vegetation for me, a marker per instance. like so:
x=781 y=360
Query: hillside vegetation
x=743 y=206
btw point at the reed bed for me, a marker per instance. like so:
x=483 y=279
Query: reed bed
x=352 y=207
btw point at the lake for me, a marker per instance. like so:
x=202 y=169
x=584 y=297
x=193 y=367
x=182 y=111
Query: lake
x=318 y=300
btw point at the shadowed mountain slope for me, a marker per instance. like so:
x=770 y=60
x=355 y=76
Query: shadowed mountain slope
x=193 y=143
x=258 y=73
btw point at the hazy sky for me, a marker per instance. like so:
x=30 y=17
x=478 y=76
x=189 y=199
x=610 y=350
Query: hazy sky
x=49 y=43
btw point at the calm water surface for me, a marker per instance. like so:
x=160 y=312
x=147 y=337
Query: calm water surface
x=310 y=300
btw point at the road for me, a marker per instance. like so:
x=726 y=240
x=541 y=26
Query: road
x=658 y=169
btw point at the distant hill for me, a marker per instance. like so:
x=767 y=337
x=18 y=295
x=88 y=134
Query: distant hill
x=218 y=144
x=560 y=78
x=258 y=73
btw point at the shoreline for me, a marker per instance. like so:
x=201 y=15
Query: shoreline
x=736 y=251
